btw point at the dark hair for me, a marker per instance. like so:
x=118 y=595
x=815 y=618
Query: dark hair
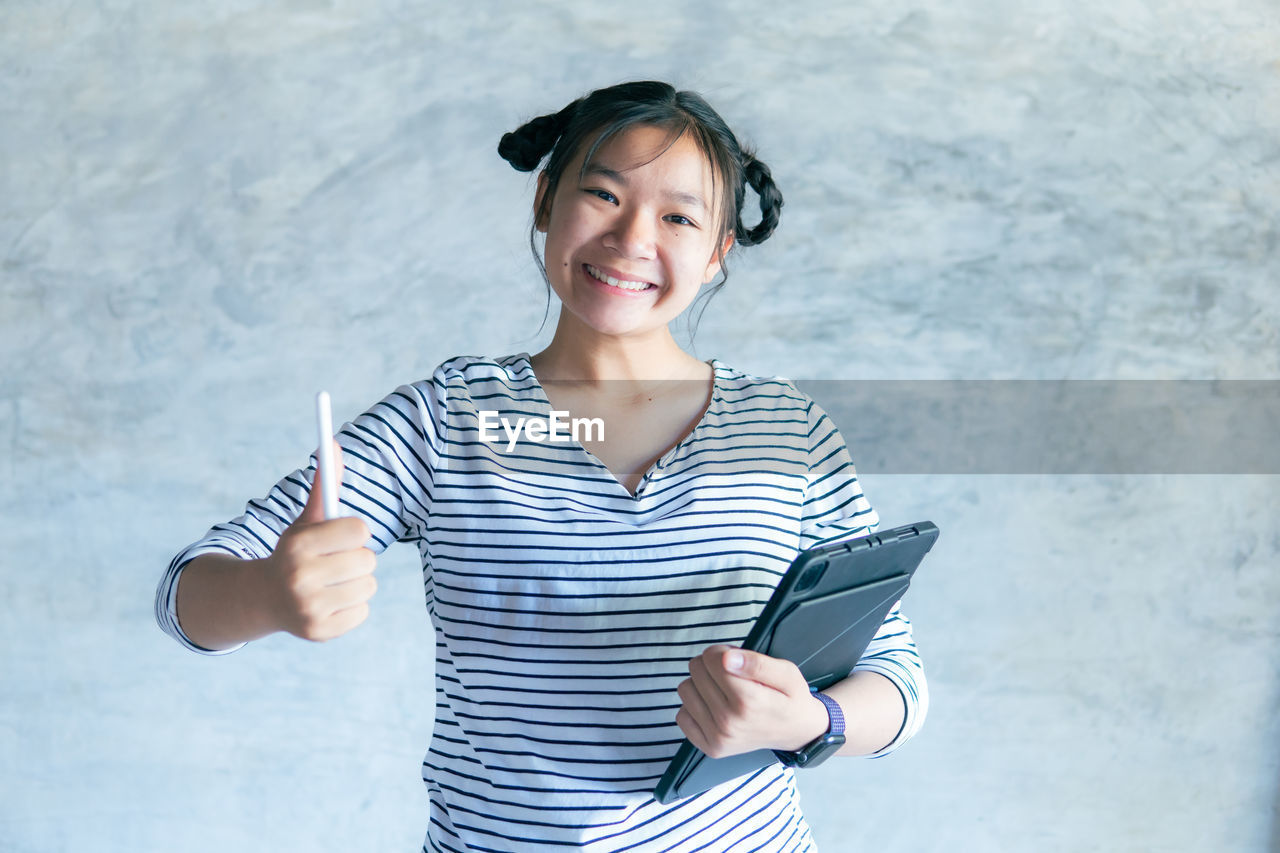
x=606 y=112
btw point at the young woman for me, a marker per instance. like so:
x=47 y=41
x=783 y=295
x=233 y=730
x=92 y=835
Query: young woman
x=587 y=591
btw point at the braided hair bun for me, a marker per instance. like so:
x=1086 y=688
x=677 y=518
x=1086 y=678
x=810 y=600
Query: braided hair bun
x=525 y=146
x=760 y=179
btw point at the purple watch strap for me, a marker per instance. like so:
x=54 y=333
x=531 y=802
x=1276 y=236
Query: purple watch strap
x=833 y=712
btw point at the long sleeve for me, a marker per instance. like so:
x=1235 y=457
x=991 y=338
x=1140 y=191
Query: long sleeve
x=835 y=508
x=389 y=455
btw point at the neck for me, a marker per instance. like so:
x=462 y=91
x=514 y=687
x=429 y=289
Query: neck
x=575 y=356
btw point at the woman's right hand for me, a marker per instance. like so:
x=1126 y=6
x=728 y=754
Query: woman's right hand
x=319 y=578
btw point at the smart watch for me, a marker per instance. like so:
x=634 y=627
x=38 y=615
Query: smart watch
x=825 y=745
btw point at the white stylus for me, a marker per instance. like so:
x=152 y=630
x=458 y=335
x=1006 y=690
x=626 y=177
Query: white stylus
x=324 y=459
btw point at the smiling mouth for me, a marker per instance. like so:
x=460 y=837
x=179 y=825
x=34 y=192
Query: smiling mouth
x=621 y=284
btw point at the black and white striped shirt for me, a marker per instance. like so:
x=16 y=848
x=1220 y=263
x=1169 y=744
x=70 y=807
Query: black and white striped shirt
x=566 y=609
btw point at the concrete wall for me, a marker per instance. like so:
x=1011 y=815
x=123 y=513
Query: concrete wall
x=208 y=212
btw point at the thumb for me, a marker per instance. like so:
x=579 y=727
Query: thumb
x=737 y=662
x=313 y=511
x=772 y=672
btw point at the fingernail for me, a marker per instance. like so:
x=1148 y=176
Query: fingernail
x=733 y=661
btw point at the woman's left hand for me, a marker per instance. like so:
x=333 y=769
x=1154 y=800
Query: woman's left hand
x=738 y=701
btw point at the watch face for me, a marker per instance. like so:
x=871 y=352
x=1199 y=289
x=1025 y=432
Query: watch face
x=820 y=750
x=813 y=753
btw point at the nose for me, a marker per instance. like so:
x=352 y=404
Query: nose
x=632 y=235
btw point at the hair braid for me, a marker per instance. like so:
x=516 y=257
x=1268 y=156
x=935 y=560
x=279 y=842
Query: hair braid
x=525 y=146
x=760 y=179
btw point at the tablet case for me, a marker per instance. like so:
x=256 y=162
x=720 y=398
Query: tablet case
x=822 y=616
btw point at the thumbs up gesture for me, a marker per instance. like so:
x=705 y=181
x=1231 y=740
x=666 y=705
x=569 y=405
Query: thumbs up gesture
x=319 y=578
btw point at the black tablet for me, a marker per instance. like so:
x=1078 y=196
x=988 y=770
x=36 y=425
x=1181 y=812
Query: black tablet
x=822 y=616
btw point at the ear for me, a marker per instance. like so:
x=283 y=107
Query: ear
x=540 y=222
x=713 y=266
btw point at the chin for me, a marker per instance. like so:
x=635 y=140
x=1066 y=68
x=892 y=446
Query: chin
x=615 y=326
x=619 y=330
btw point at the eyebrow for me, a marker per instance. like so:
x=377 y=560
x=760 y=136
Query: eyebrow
x=613 y=175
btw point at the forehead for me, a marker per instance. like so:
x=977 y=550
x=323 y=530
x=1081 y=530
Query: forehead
x=652 y=151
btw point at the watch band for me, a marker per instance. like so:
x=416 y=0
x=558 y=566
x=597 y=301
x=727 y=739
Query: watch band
x=825 y=745
x=834 y=714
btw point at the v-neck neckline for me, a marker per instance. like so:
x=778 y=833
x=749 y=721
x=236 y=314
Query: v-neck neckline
x=662 y=460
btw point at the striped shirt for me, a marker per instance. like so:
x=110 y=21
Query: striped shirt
x=566 y=608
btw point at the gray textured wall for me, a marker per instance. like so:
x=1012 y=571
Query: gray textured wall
x=207 y=213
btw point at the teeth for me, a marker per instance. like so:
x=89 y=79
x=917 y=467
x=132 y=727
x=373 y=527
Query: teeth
x=620 y=283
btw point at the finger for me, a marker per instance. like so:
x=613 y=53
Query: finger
x=692 y=730
x=343 y=596
x=694 y=705
x=313 y=509
x=334 y=536
x=332 y=602
x=343 y=621
x=335 y=569
x=720 y=705
x=781 y=675
x=737 y=691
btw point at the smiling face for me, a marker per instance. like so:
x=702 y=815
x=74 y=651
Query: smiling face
x=629 y=246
